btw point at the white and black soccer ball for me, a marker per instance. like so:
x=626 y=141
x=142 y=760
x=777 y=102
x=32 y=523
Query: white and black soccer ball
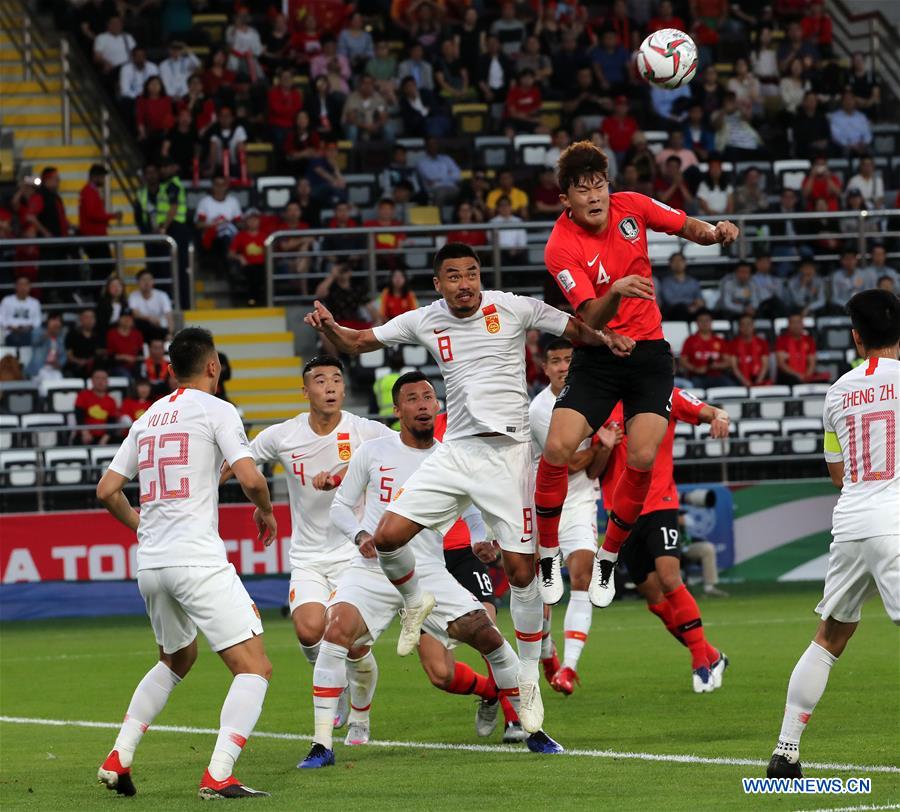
x=667 y=58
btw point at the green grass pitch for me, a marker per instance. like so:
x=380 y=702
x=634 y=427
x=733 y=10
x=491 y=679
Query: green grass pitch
x=635 y=697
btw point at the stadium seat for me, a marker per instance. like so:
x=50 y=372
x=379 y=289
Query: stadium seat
x=361 y=189
x=67 y=466
x=259 y=158
x=656 y=139
x=730 y=398
x=101 y=456
x=415 y=148
x=6 y=350
x=494 y=151
x=471 y=118
x=684 y=433
x=424 y=216
x=19 y=468
x=46 y=428
x=710 y=297
x=531 y=150
x=275 y=191
x=812 y=398
x=723 y=327
x=661 y=246
x=833 y=333
x=760 y=436
x=550 y=114
x=21 y=397
x=7 y=438
x=885 y=139
x=772 y=399
x=61 y=394
x=764 y=328
x=805 y=434
x=697 y=391
x=417 y=251
x=791 y=172
x=415 y=355
x=373 y=359
x=834 y=362
x=675 y=332
x=25 y=355
x=714 y=448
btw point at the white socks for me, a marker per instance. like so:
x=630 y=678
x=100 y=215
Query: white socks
x=311 y=653
x=805 y=689
x=363 y=676
x=148 y=699
x=240 y=713
x=546 y=639
x=400 y=567
x=329 y=681
x=527 y=610
x=577 y=626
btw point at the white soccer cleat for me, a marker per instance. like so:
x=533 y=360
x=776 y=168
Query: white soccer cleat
x=602 y=589
x=343 y=709
x=357 y=734
x=531 y=706
x=411 y=620
x=486 y=717
x=550 y=581
x=717 y=669
x=514 y=733
x=703 y=681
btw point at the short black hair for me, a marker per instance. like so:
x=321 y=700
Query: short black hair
x=144 y=272
x=407 y=377
x=323 y=360
x=452 y=250
x=559 y=344
x=189 y=350
x=875 y=315
x=703 y=311
x=847 y=250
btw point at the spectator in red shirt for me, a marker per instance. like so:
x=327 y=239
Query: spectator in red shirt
x=124 y=344
x=671 y=188
x=93 y=220
x=619 y=128
x=218 y=80
x=821 y=184
x=96 y=407
x=749 y=354
x=704 y=355
x=138 y=401
x=665 y=18
x=545 y=198
x=155 y=116
x=155 y=369
x=397 y=298
x=387 y=242
x=285 y=101
x=465 y=216
x=795 y=354
x=47 y=213
x=816 y=27
x=523 y=105
x=248 y=251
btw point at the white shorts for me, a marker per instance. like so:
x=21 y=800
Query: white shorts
x=378 y=601
x=314 y=582
x=578 y=529
x=496 y=474
x=857 y=570
x=181 y=600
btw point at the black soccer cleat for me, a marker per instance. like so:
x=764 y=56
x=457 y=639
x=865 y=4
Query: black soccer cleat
x=114 y=776
x=780 y=767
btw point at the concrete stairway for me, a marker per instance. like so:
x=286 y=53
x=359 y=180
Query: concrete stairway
x=265 y=382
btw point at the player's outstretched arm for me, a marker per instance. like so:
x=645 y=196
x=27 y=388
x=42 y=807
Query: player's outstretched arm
x=254 y=485
x=109 y=493
x=724 y=232
x=346 y=339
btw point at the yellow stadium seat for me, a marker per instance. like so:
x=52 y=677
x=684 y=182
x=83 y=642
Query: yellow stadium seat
x=551 y=114
x=470 y=118
x=424 y=216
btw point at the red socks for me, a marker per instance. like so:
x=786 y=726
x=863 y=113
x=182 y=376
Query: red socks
x=625 y=508
x=550 y=491
x=686 y=614
x=467 y=681
x=666 y=614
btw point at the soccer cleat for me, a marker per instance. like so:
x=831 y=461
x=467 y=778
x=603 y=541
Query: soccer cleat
x=212 y=790
x=513 y=733
x=551 y=665
x=343 y=709
x=531 y=706
x=115 y=776
x=781 y=767
x=714 y=592
x=318 y=756
x=540 y=742
x=565 y=681
x=717 y=669
x=551 y=582
x=357 y=734
x=486 y=716
x=703 y=680
x=602 y=589
x=411 y=620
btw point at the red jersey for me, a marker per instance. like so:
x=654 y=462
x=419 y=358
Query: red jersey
x=250 y=246
x=663 y=495
x=386 y=240
x=700 y=351
x=284 y=106
x=585 y=265
x=134 y=408
x=98 y=410
x=93 y=218
x=751 y=355
x=457 y=537
x=619 y=132
x=119 y=344
x=522 y=101
x=798 y=349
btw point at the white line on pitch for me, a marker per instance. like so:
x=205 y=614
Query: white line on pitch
x=856 y=808
x=676 y=758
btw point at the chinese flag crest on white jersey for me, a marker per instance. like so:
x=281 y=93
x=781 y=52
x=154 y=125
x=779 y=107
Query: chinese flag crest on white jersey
x=343 y=443
x=491 y=318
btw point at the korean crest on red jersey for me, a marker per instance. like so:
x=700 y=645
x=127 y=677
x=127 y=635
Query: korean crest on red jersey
x=629 y=228
x=491 y=318
x=343 y=443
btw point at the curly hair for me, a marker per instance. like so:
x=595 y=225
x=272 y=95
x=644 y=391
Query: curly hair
x=578 y=162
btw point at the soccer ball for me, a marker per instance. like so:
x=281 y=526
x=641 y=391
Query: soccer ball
x=667 y=58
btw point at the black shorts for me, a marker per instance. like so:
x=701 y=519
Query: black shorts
x=654 y=535
x=598 y=380
x=471 y=572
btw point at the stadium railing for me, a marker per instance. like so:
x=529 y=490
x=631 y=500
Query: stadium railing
x=525 y=271
x=65 y=274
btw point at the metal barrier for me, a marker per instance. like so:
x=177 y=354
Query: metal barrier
x=75 y=266
x=284 y=284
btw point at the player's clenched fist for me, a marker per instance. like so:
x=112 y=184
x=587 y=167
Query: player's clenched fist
x=326 y=481
x=726 y=232
x=619 y=344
